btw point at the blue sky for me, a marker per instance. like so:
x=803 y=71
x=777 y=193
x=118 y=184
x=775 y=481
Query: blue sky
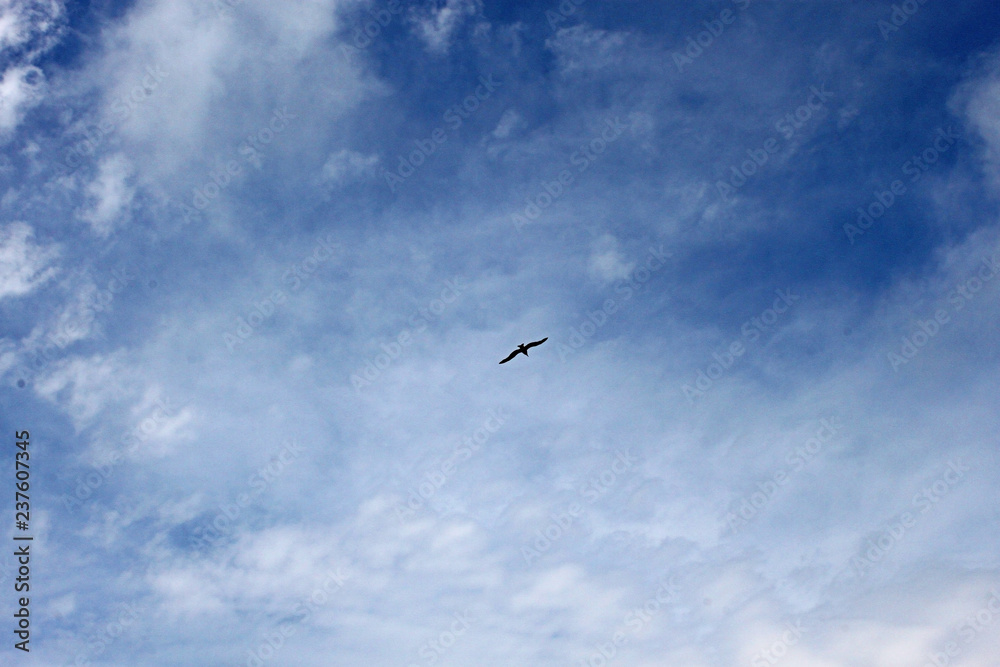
x=258 y=265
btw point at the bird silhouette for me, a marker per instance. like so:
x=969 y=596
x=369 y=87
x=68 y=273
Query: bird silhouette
x=523 y=348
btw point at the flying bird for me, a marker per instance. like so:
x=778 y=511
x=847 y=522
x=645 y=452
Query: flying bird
x=523 y=348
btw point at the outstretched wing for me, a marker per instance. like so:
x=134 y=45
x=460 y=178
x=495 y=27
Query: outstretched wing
x=510 y=356
x=537 y=342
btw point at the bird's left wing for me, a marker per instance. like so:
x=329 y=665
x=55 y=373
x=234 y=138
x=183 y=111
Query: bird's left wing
x=509 y=357
x=537 y=342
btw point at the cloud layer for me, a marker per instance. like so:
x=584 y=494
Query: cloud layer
x=260 y=260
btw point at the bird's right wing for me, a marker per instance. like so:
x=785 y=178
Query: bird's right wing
x=537 y=342
x=509 y=357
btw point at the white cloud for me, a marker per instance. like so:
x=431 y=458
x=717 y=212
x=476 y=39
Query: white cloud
x=346 y=165
x=435 y=26
x=24 y=20
x=85 y=386
x=269 y=570
x=27 y=29
x=508 y=121
x=584 y=49
x=23 y=264
x=606 y=261
x=20 y=90
x=211 y=82
x=110 y=195
x=981 y=97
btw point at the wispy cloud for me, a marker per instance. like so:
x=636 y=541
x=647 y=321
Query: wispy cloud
x=259 y=261
x=24 y=265
x=436 y=24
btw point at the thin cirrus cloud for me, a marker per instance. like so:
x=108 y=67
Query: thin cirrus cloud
x=24 y=264
x=268 y=426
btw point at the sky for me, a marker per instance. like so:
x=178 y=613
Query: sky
x=259 y=261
